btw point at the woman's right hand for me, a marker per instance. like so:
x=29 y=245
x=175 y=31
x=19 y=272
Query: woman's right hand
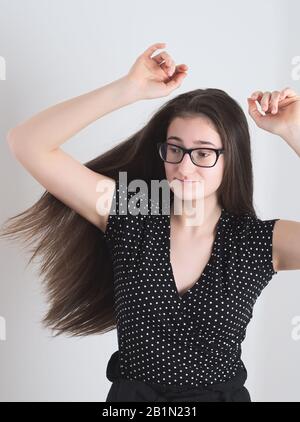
x=151 y=76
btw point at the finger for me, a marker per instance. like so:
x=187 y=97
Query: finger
x=253 y=111
x=169 y=67
x=182 y=68
x=147 y=53
x=265 y=101
x=163 y=57
x=177 y=79
x=177 y=69
x=274 y=101
x=287 y=92
x=165 y=61
x=257 y=95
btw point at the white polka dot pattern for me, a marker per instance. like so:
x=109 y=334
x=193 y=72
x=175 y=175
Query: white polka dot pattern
x=194 y=339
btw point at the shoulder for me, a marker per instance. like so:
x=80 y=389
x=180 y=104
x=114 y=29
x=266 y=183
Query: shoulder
x=251 y=234
x=128 y=212
x=253 y=243
x=250 y=226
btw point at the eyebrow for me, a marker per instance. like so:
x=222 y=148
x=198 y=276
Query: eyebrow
x=199 y=141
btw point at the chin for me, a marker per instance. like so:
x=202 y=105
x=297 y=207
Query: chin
x=187 y=191
x=188 y=195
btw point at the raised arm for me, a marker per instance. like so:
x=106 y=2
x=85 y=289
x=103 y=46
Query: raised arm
x=282 y=118
x=35 y=144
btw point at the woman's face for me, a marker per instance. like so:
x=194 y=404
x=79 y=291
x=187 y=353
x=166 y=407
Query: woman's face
x=189 y=130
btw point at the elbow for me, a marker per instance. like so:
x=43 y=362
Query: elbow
x=10 y=138
x=13 y=140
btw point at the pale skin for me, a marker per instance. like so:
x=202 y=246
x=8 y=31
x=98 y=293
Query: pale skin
x=282 y=118
x=191 y=246
x=192 y=133
x=36 y=142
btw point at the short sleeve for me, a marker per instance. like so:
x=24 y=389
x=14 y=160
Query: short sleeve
x=258 y=240
x=124 y=218
x=114 y=222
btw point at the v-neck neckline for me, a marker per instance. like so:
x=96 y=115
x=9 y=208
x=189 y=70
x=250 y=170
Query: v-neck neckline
x=201 y=279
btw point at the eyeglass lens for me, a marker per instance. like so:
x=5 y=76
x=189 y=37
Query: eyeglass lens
x=201 y=157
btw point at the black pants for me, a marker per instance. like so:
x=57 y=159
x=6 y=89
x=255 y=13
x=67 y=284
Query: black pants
x=134 y=390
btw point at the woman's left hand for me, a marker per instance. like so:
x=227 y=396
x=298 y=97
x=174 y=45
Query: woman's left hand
x=282 y=110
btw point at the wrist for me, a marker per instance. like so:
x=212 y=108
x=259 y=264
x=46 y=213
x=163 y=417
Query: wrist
x=130 y=89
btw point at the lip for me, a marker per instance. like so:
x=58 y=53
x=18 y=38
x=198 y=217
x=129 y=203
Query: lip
x=186 y=181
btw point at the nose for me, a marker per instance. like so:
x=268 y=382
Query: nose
x=186 y=165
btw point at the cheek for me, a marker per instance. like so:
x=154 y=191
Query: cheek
x=169 y=170
x=220 y=172
x=214 y=179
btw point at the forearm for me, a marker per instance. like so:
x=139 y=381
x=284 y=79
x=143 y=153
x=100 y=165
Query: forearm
x=52 y=127
x=293 y=139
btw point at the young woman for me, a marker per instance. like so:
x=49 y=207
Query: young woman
x=180 y=295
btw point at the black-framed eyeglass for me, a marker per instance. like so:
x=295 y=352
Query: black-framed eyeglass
x=201 y=157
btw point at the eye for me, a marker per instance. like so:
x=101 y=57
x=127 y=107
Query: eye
x=174 y=149
x=203 y=154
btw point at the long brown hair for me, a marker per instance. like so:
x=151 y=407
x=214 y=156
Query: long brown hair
x=75 y=261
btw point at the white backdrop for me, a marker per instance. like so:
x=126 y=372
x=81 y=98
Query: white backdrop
x=54 y=50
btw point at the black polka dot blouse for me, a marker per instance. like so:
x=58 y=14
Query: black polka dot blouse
x=193 y=339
